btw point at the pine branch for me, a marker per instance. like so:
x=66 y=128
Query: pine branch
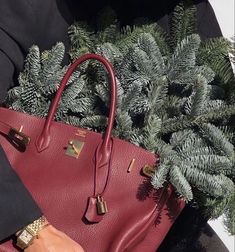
x=213 y=207
x=215 y=185
x=147 y=43
x=52 y=60
x=190 y=77
x=124 y=125
x=210 y=163
x=32 y=66
x=184 y=57
x=130 y=35
x=199 y=97
x=218 y=140
x=160 y=176
x=180 y=123
x=82 y=39
x=230 y=215
x=180 y=183
x=182 y=22
x=93 y=122
x=214 y=53
x=150 y=132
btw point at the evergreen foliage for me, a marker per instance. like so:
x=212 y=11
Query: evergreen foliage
x=174 y=98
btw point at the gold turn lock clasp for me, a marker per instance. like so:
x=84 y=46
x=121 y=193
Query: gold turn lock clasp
x=101 y=205
x=76 y=150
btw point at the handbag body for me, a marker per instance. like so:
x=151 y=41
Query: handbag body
x=89 y=185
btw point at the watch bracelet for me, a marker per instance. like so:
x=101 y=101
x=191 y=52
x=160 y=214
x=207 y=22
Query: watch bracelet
x=37 y=225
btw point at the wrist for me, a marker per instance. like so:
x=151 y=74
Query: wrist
x=45 y=232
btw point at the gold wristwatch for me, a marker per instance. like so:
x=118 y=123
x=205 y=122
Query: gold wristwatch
x=30 y=232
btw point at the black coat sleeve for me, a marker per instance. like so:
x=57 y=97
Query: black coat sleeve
x=17 y=208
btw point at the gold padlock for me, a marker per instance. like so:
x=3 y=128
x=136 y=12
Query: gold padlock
x=101 y=205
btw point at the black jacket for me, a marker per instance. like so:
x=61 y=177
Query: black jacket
x=44 y=22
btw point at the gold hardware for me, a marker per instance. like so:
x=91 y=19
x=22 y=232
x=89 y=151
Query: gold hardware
x=81 y=133
x=74 y=148
x=21 y=128
x=101 y=205
x=148 y=170
x=18 y=138
x=131 y=165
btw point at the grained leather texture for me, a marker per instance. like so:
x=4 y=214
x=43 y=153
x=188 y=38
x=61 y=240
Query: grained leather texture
x=138 y=217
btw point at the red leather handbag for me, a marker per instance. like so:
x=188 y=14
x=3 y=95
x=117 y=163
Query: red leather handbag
x=89 y=185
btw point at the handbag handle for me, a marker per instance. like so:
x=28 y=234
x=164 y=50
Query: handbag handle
x=43 y=140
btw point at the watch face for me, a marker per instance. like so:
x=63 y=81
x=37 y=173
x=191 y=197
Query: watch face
x=26 y=237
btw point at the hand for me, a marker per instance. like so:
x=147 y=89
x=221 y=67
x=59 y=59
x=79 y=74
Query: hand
x=52 y=240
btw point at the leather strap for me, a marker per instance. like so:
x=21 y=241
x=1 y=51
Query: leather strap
x=43 y=140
